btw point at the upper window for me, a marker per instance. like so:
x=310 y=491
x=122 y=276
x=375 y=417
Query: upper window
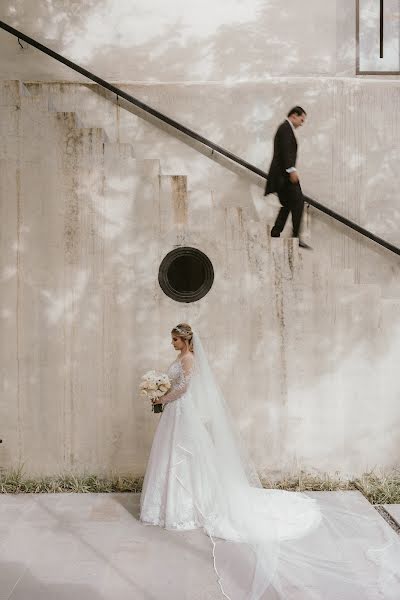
x=378 y=37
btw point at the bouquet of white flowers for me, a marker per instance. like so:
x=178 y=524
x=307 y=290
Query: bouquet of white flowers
x=154 y=385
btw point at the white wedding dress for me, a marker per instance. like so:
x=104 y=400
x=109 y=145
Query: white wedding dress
x=166 y=500
x=267 y=544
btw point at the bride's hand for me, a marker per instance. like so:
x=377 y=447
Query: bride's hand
x=156 y=401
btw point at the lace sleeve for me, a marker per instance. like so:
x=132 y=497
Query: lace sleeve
x=181 y=386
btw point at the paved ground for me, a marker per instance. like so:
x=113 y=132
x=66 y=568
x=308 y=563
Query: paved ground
x=92 y=547
x=394 y=511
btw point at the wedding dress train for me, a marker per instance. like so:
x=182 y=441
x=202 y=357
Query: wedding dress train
x=267 y=544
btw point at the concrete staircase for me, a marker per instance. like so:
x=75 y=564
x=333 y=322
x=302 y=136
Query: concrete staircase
x=94 y=207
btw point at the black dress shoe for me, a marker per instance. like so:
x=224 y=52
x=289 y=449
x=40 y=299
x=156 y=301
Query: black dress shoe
x=275 y=233
x=304 y=245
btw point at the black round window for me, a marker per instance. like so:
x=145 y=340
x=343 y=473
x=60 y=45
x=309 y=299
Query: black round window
x=186 y=274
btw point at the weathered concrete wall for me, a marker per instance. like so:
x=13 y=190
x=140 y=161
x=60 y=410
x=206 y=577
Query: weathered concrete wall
x=181 y=40
x=89 y=206
x=184 y=41
x=348 y=149
x=306 y=353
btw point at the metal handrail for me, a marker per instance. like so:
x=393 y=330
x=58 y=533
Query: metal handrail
x=190 y=133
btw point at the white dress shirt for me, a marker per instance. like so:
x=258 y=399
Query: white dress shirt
x=291 y=169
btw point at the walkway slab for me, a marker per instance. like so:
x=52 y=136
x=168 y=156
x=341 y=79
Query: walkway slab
x=93 y=547
x=394 y=511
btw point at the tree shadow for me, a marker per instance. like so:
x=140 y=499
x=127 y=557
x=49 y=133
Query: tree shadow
x=237 y=43
x=21 y=584
x=98 y=298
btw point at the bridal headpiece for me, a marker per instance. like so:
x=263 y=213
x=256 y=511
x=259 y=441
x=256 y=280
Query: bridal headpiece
x=184 y=330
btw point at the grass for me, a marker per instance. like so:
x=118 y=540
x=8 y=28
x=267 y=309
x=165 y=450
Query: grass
x=305 y=482
x=382 y=487
x=13 y=482
x=378 y=487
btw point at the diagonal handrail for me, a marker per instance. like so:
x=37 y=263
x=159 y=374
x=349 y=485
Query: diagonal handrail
x=190 y=133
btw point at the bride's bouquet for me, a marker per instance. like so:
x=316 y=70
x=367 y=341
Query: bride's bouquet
x=155 y=385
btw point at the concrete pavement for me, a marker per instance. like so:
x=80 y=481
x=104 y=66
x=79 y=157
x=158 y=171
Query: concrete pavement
x=93 y=547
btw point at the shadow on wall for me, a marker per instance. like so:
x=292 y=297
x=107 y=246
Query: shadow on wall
x=89 y=295
x=177 y=43
x=114 y=239
x=227 y=41
x=239 y=43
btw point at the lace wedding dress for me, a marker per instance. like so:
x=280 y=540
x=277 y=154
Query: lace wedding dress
x=266 y=544
x=167 y=495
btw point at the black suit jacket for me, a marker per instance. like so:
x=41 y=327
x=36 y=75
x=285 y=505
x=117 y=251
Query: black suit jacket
x=285 y=155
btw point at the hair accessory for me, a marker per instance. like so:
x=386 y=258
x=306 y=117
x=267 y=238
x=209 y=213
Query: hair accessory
x=182 y=331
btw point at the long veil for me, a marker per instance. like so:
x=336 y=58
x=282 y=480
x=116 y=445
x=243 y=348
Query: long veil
x=274 y=544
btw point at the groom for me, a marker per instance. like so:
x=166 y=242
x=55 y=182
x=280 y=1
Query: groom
x=283 y=178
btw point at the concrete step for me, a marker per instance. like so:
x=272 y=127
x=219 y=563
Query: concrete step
x=96 y=113
x=10 y=127
x=391 y=292
x=173 y=205
x=11 y=93
x=93 y=108
x=68 y=118
x=35 y=95
x=64 y=96
x=121 y=156
x=131 y=190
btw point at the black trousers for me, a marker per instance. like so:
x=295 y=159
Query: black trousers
x=292 y=200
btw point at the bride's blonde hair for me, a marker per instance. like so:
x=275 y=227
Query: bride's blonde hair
x=184 y=331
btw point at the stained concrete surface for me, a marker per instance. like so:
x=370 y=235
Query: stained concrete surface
x=93 y=546
x=312 y=338
x=394 y=511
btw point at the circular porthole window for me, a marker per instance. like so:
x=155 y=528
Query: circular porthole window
x=186 y=275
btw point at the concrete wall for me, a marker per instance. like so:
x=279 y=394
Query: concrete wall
x=184 y=40
x=348 y=150
x=127 y=40
x=306 y=353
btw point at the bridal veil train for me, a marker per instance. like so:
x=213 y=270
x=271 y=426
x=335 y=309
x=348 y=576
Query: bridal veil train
x=266 y=543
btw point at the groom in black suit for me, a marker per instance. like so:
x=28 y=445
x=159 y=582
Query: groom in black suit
x=283 y=178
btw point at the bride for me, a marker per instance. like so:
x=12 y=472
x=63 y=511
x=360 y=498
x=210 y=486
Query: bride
x=266 y=543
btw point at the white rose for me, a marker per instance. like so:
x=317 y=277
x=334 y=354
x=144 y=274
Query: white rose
x=149 y=375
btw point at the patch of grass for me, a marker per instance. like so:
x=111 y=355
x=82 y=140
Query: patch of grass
x=378 y=487
x=13 y=482
x=382 y=487
x=305 y=482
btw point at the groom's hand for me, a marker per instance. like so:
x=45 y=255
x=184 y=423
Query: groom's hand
x=294 y=177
